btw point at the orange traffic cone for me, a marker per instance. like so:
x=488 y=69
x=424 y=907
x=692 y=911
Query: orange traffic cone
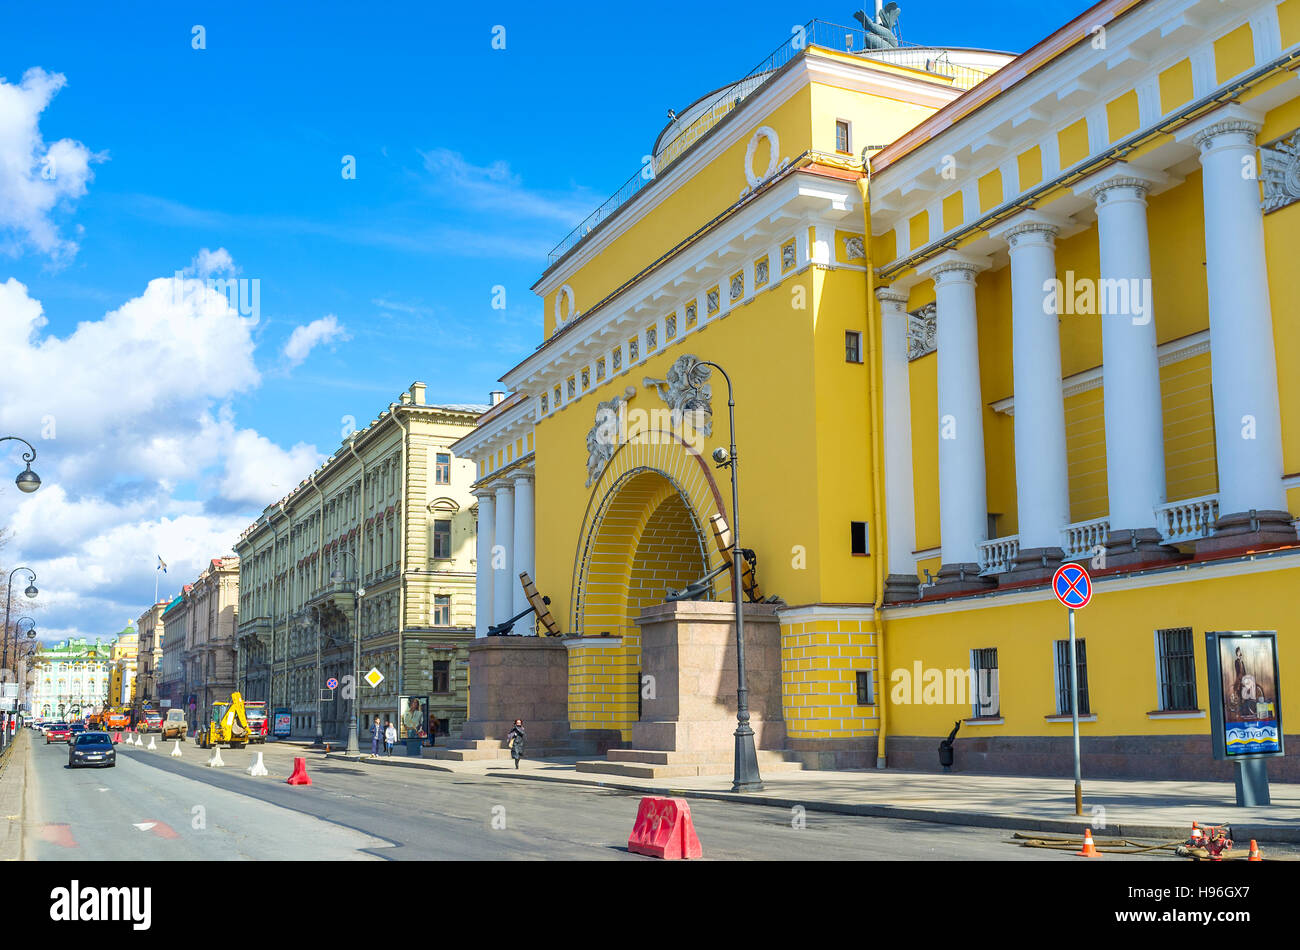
x=1254 y=852
x=1198 y=838
x=299 y=776
x=1089 y=849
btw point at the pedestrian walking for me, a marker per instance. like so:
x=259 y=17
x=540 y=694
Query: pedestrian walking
x=515 y=739
x=376 y=737
x=390 y=736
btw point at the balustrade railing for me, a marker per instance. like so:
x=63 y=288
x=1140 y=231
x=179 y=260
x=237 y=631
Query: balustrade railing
x=1187 y=520
x=998 y=554
x=1083 y=537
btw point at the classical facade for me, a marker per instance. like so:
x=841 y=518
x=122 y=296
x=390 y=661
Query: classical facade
x=203 y=620
x=150 y=626
x=388 y=520
x=71 y=679
x=122 y=674
x=982 y=314
x=171 y=668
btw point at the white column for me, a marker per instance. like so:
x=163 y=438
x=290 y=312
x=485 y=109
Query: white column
x=1135 y=444
x=1247 y=420
x=897 y=398
x=1042 y=474
x=504 y=580
x=523 y=548
x=483 y=604
x=963 y=502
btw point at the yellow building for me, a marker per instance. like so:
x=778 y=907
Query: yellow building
x=389 y=512
x=122 y=673
x=1043 y=322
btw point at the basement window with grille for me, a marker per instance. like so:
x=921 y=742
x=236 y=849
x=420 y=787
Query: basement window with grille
x=865 y=695
x=1176 y=667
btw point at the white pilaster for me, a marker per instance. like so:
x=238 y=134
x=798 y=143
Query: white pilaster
x=523 y=551
x=963 y=502
x=1135 y=446
x=504 y=580
x=483 y=604
x=899 y=498
x=1247 y=419
x=1042 y=474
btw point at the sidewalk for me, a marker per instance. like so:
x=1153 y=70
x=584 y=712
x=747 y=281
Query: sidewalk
x=13 y=785
x=1119 y=807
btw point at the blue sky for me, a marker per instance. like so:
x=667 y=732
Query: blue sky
x=471 y=163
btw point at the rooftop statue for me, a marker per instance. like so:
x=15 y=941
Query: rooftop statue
x=880 y=31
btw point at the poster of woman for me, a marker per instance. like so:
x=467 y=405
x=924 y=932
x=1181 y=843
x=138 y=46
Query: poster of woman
x=1249 y=694
x=413 y=719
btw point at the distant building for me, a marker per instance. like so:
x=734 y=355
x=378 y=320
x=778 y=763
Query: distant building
x=122 y=673
x=171 y=668
x=392 y=505
x=71 y=678
x=203 y=620
x=150 y=627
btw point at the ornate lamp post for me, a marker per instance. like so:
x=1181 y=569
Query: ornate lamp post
x=745 y=776
x=27 y=480
x=31 y=591
x=337 y=576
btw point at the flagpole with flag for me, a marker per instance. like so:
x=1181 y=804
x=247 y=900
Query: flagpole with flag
x=162 y=566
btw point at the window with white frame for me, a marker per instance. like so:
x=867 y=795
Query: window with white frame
x=442 y=611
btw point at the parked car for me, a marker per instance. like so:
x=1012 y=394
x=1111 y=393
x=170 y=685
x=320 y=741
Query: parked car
x=57 y=732
x=75 y=729
x=92 y=748
x=175 y=726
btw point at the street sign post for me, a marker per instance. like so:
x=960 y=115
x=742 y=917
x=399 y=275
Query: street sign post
x=1073 y=588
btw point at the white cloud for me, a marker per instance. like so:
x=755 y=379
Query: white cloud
x=34 y=177
x=137 y=445
x=307 y=337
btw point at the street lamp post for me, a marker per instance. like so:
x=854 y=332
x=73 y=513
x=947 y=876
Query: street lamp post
x=354 y=747
x=21 y=657
x=27 y=480
x=31 y=591
x=745 y=776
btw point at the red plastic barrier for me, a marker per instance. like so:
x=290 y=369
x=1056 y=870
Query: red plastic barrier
x=664 y=829
x=117 y=737
x=299 y=776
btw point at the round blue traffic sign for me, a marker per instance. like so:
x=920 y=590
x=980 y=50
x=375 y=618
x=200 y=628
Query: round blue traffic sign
x=332 y=683
x=1072 y=586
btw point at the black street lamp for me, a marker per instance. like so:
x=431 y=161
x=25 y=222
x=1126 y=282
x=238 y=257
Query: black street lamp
x=31 y=591
x=337 y=576
x=745 y=776
x=27 y=480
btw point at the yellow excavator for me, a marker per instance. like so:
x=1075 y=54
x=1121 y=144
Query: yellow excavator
x=228 y=725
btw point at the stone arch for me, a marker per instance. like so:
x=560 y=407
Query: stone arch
x=645 y=530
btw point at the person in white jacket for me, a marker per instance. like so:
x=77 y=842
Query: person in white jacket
x=390 y=736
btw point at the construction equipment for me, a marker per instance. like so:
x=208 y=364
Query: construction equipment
x=227 y=725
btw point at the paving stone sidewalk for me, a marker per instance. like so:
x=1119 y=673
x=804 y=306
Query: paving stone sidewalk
x=1119 y=807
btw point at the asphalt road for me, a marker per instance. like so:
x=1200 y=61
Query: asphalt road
x=149 y=806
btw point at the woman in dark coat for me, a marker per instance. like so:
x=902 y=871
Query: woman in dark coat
x=515 y=739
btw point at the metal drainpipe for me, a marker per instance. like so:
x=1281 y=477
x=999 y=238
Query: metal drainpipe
x=360 y=564
x=401 y=535
x=877 y=471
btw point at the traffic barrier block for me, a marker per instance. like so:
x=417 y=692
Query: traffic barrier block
x=258 y=767
x=299 y=776
x=151 y=745
x=138 y=740
x=117 y=737
x=664 y=829
x=216 y=761
x=176 y=750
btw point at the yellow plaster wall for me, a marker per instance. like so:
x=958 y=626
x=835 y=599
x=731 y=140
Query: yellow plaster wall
x=820 y=660
x=1119 y=629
